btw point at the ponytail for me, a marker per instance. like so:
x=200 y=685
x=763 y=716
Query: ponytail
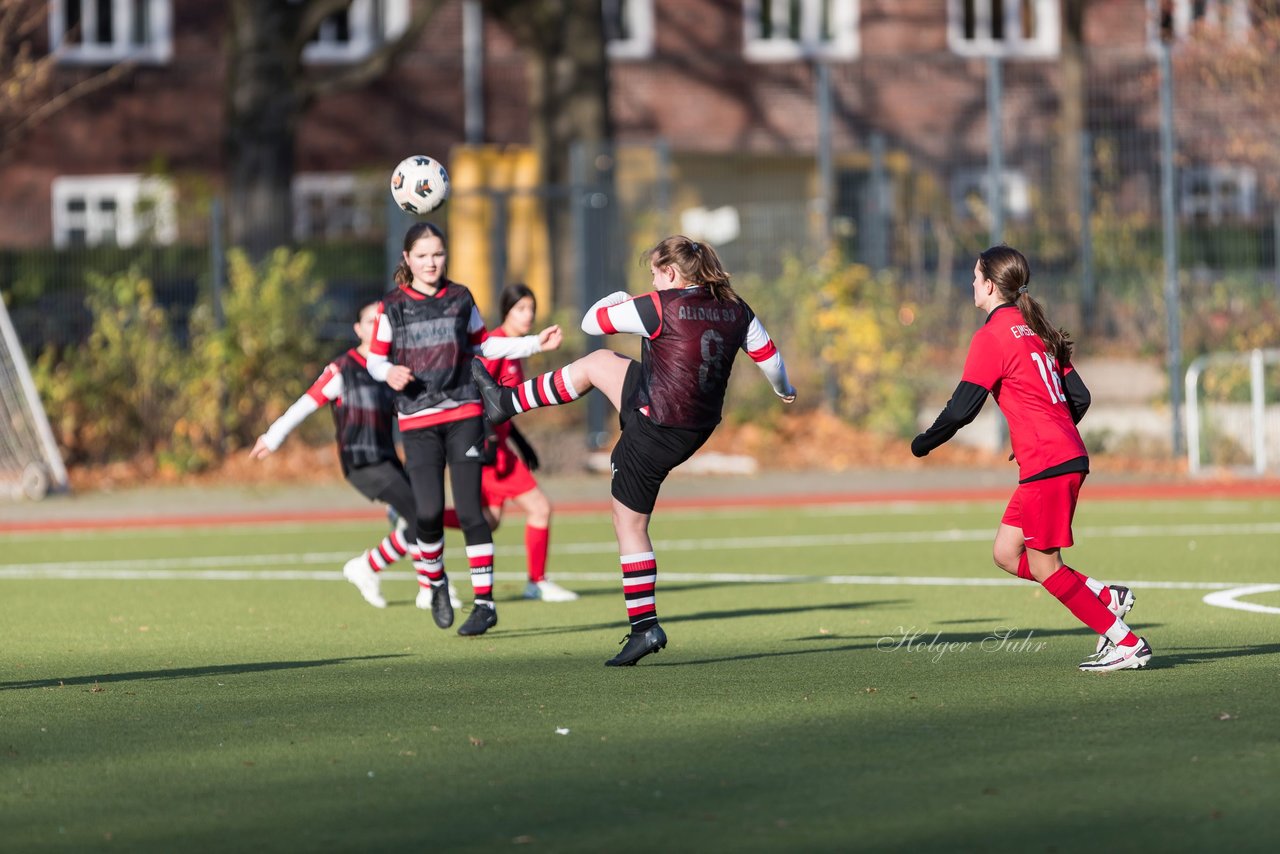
x=697 y=263
x=1008 y=270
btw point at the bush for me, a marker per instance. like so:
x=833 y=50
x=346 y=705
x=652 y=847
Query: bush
x=130 y=389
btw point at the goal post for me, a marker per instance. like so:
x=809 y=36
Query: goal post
x=1232 y=431
x=30 y=462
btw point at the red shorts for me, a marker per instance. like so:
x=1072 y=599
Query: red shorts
x=507 y=479
x=1043 y=509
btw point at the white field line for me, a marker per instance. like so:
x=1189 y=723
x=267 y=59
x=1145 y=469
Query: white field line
x=718 y=544
x=1227 y=598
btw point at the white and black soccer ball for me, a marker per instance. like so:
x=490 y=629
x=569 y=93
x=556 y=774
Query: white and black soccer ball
x=419 y=184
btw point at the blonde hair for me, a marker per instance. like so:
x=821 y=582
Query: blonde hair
x=1007 y=269
x=697 y=263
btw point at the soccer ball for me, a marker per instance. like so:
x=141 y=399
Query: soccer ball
x=419 y=184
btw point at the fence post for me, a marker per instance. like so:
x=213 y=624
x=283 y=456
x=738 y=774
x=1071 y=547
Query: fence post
x=1172 y=287
x=1088 y=287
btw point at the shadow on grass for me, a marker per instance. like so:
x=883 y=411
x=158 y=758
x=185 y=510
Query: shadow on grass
x=700 y=616
x=188 y=672
x=1161 y=660
x=917 y=641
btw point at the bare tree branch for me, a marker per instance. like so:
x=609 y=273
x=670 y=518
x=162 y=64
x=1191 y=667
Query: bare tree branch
x=376 y=64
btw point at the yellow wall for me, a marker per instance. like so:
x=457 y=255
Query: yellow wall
x=473 y=172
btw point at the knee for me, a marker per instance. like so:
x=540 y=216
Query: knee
x=1007 y=559
x=538 y=512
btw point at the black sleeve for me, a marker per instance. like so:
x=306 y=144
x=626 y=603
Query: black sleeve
x=647 y=308
x=523 y=448
x=1078 y=399
x=965 y=404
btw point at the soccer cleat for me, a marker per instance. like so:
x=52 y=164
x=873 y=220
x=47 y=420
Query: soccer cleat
x=441 y=606
x=1122 y=602
x=483 y=617
x=359 y=573
x=548 y=591
x=637 y=646
x=1119 y=658
x=424 y=598
x=491 y=393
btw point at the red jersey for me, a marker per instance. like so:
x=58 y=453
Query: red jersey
x=1008 y=359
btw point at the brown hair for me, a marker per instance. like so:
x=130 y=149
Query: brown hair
x=416 y=232
x=511 y=295
x=1007 y=269
x=364 y=306
x=697 y=263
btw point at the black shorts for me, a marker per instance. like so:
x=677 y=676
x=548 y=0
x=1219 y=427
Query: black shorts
x=385 y=482
x=647 y=452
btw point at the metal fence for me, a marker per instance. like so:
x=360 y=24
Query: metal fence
x=910 y=188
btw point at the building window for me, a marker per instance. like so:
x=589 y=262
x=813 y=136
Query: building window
x=778 y=30
x=112 y=210
x=1216 y=193
x=105 y=31
x=1175 y=20
x=1013 y=28
x=628 y=28
x=351 y=34
x=969 y=194
x=328 y=205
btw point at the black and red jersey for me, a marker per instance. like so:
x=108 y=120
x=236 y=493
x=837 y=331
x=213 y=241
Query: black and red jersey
x=685 y=363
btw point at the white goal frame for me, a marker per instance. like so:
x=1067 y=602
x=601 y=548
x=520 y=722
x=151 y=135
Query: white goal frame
x=1257 y=361
x=44 y=471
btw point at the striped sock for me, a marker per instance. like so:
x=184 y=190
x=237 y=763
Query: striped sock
x=393 y=547
x=430 y=564
x=480 y=556
x=639 y=578
x=550 y=389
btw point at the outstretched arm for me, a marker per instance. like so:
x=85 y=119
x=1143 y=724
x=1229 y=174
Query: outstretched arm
x=619 y=312
x=761 y=349
x=325 y=389
x=965 y=404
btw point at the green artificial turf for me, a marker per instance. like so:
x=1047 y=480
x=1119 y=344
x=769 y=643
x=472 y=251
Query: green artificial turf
x=192 y=714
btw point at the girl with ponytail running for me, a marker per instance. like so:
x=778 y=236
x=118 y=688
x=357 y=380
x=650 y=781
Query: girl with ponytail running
x=1025 y=363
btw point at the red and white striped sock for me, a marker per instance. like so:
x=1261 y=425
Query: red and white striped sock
x=393 y=547
x=639 y=580
x=480 y=556
x=550 y=389
x=430 y=564
x=1068 y=587
x=537 y=541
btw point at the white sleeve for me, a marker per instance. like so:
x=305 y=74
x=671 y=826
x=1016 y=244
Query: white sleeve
x=762 y=351
x=619 y=312
x=378 y=366
x=377 y=362
x=500 y=347
x=327 y=388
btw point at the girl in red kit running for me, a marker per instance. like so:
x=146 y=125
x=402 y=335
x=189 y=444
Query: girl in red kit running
x=693 y=324
x=1025 y=362
x=362 y=411
x=510 y=476
x=428 y=331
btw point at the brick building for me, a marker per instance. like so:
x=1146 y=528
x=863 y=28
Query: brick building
x=728 y=87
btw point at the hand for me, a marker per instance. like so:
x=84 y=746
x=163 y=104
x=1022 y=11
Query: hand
x=550 y=338
x=917 y=446
x=790 y=395
x=260 y=450
x=398 y=377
